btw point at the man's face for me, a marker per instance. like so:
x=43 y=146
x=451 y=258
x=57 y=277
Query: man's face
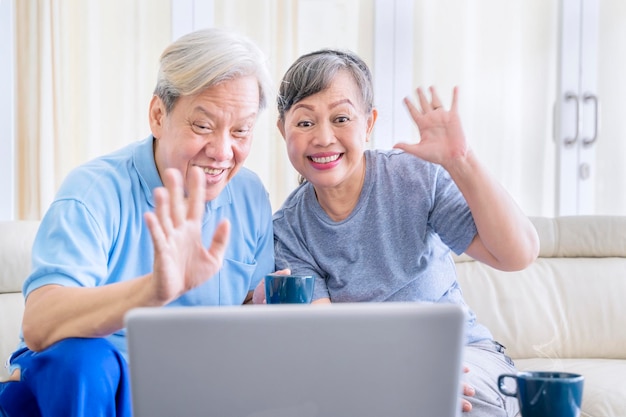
x=211 y=130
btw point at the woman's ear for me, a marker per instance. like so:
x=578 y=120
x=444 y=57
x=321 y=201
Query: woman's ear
x=156 y=116
x=371 y=120
x=280 y=124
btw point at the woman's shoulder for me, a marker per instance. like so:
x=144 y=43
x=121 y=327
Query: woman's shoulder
x=396 y=159
x=295 y=201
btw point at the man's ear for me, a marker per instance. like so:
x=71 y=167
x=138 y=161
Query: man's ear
x=156 y=116
x=280 y=124
x=371 y=120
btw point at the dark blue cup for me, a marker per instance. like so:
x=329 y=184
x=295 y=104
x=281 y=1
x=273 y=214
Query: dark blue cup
x=289 y=289
x=545 y=394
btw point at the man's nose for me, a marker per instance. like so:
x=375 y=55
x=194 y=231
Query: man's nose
x=219 y=147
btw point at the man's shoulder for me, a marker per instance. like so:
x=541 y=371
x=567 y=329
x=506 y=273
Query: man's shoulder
x=247 y=183
x=102 y=182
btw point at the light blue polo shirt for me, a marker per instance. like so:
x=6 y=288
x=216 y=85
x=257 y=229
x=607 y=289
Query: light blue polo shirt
x=94 y=232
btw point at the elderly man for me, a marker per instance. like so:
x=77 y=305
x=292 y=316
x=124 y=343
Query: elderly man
x=172 y=220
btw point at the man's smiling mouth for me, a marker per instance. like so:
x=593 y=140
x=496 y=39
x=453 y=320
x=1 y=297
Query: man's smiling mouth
x=212 y=171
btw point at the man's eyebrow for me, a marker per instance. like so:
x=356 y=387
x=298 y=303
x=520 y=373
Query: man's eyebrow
x=200 y=109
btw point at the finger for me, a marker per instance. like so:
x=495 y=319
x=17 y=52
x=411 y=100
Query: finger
x=285 y=271
x=162 y=210
x=197 y=193
x=455 y=99
x=402 y=146
x=220 y=241
x=436 y=101
x=156 y=232
x=466 y=406
x=413 y=111
x=424 y=103
x=468 y=390
x=174 y=183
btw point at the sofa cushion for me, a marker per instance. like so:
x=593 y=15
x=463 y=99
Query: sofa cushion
x=604 y=390
x=16 y=242
x=581 y=236
x=556 y=308
x=11 y=312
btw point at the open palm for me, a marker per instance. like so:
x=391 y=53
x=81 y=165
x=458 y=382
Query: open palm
x=181 y=262
x=442 y=137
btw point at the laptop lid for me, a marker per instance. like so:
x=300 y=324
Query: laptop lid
x=362 y=359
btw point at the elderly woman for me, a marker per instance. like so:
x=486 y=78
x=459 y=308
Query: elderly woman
x=374 y=225
x=95 y=257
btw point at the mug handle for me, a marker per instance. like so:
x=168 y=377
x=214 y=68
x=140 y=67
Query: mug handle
x=502 y=385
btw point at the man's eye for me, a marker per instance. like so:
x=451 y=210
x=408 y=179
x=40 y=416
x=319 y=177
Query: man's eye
x=199 y=128
x=241 y=133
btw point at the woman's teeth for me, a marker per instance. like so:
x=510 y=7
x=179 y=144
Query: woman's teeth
x=325 y=159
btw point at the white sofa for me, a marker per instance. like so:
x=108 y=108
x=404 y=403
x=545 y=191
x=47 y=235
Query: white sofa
x=16 y=240
x=566 y=312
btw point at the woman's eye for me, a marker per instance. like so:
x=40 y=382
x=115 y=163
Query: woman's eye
x=304 y=123
x=342 y=119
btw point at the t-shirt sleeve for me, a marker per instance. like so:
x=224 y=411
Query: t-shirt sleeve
x=69 y=249
x=450 y=216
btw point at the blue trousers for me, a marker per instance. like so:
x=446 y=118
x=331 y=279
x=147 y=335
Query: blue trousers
x=73 y=377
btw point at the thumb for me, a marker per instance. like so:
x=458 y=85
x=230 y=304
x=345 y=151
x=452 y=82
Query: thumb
x=220 y=240
x=402 y=146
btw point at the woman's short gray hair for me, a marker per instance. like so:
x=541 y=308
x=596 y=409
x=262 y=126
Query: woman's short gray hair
x=314 y=72
x=204 y=58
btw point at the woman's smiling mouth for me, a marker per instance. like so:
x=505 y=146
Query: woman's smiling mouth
x=325 y=161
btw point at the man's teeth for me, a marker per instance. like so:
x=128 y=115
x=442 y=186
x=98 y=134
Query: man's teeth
x=325 y=159
x=212 y=171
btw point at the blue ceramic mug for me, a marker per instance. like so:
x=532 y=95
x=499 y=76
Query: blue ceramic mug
x=289 y=289
x=545 y=394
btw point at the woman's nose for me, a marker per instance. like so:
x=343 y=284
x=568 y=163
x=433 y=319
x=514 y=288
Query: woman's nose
x=324 y=134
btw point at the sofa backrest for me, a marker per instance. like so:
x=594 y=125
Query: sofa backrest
x=569 y=303
x=16 y=240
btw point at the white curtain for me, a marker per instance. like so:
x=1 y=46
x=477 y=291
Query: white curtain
x=85 y=74
x=86 y=70
x=502 y=55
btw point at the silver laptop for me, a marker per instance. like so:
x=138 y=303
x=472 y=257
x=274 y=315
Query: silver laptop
x=339 y=360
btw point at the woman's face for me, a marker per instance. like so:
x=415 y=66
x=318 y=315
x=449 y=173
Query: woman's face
x=326 y=134
x=212 y=130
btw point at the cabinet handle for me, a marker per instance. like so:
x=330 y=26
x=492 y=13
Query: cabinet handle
x=592 y=97
x=571 y=96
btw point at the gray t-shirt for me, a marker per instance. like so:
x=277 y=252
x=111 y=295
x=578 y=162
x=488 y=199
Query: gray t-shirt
x=394 y=246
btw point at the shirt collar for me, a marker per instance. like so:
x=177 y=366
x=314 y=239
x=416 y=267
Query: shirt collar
x=143 y=159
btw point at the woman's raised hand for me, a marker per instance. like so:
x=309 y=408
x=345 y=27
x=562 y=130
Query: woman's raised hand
x=442 y=138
